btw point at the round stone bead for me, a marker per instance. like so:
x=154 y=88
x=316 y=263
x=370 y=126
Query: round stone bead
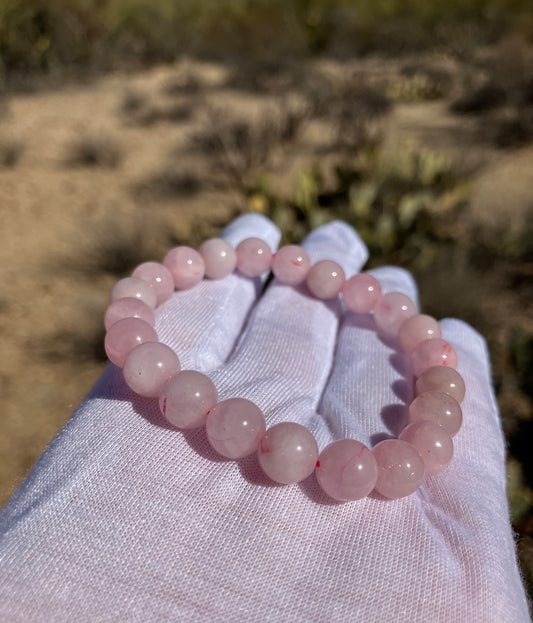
x=287 y=453
x=325 y=279
x=124 y=336
x=148 y=367
x=429 y=353
x=346 y=470
x=432 y=442
x=291 y=265
x=158 y=277
x=219 y=257
x=400 y=468
x=128 y=308
x=391 y=311
x=235 y=427
x=441 y=379
x=186 y=266
x=253 y=257
x=132 y=287
x=439 y=408
x=361 y=293
x=186 y=398
x=416 y=329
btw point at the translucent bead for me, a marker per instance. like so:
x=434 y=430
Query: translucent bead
x=346 y=470
x=148 y=367
x=429 y=353
x=291 y=265
x=219 y=257
x=124 y=336
x=392 y=310
x=439 y=408
x=128 y=308
x=131 y=287
x=361 y=293
x=416 y=329
x=400 y=468
x=287 y=453
x=253 y=257
x=186 y=398
x=186 y=266
x=432 y=442
x=325 y=279
x=441 y=379
x=158 y=277
x=235 y=427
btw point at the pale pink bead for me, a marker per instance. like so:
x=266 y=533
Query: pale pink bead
x=219 y=257
x=186 y=398
x=416 y=329
x=432 y=442
x=441 y=379
x=235 y=427
x=400 y=468
x=124 y=336
x=439 y=408
x=392 y=310
x=361 y=293
x=429 y=353
x=325 y=279
x=346 y=470
x=159 y=277
x=131 y=287
x=291 y=265
x=287 y=453
x=253 y=257
x=148 y=367
x=128 y=308
x=186 y=266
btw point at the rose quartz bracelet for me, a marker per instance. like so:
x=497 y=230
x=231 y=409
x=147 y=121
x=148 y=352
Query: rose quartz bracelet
x=287 y=452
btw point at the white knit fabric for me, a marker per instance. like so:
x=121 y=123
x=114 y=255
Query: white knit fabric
x=124 y=519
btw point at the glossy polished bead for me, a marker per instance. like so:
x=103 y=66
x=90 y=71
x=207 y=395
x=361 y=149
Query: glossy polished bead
x=325 y=279
x=128 y=308
x=432 y=442
x=235 y=427
x=291 y=265
x=124 y=336
x=346 y=470
x=391 y=311
x=287 y=453
x=186 y=398
x=400 y=468
x=439 y=408
x=253 y=257
x=148 y=367
x=441 y=379
x=416 y=329
x=186 y=266
x=159 y=277
x=219 y=257
x=429 y=353
x=131 y=287
x=361 y=293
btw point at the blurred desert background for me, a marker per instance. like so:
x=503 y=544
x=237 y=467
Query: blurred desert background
x=127 y=127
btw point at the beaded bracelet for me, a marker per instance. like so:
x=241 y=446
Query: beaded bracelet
x=287 y=452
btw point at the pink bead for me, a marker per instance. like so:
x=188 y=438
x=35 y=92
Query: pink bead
x=131 y=287
x=361 y=293
x=128 y=308
x=287 y=453
x=219 y=257
x=325 y=279
x=291 y=265
x=416 y=329
x=392 y=310
x=124 y=336
x=253 y=257
x=441 y=379
x=235 y=427
x=186 y=398
x=186 y=266
x=429 y=353
x=148 y=367
x=400 y=468
x=346 y=470
x=432 y=442
x=439 y=408
x=158 y=277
